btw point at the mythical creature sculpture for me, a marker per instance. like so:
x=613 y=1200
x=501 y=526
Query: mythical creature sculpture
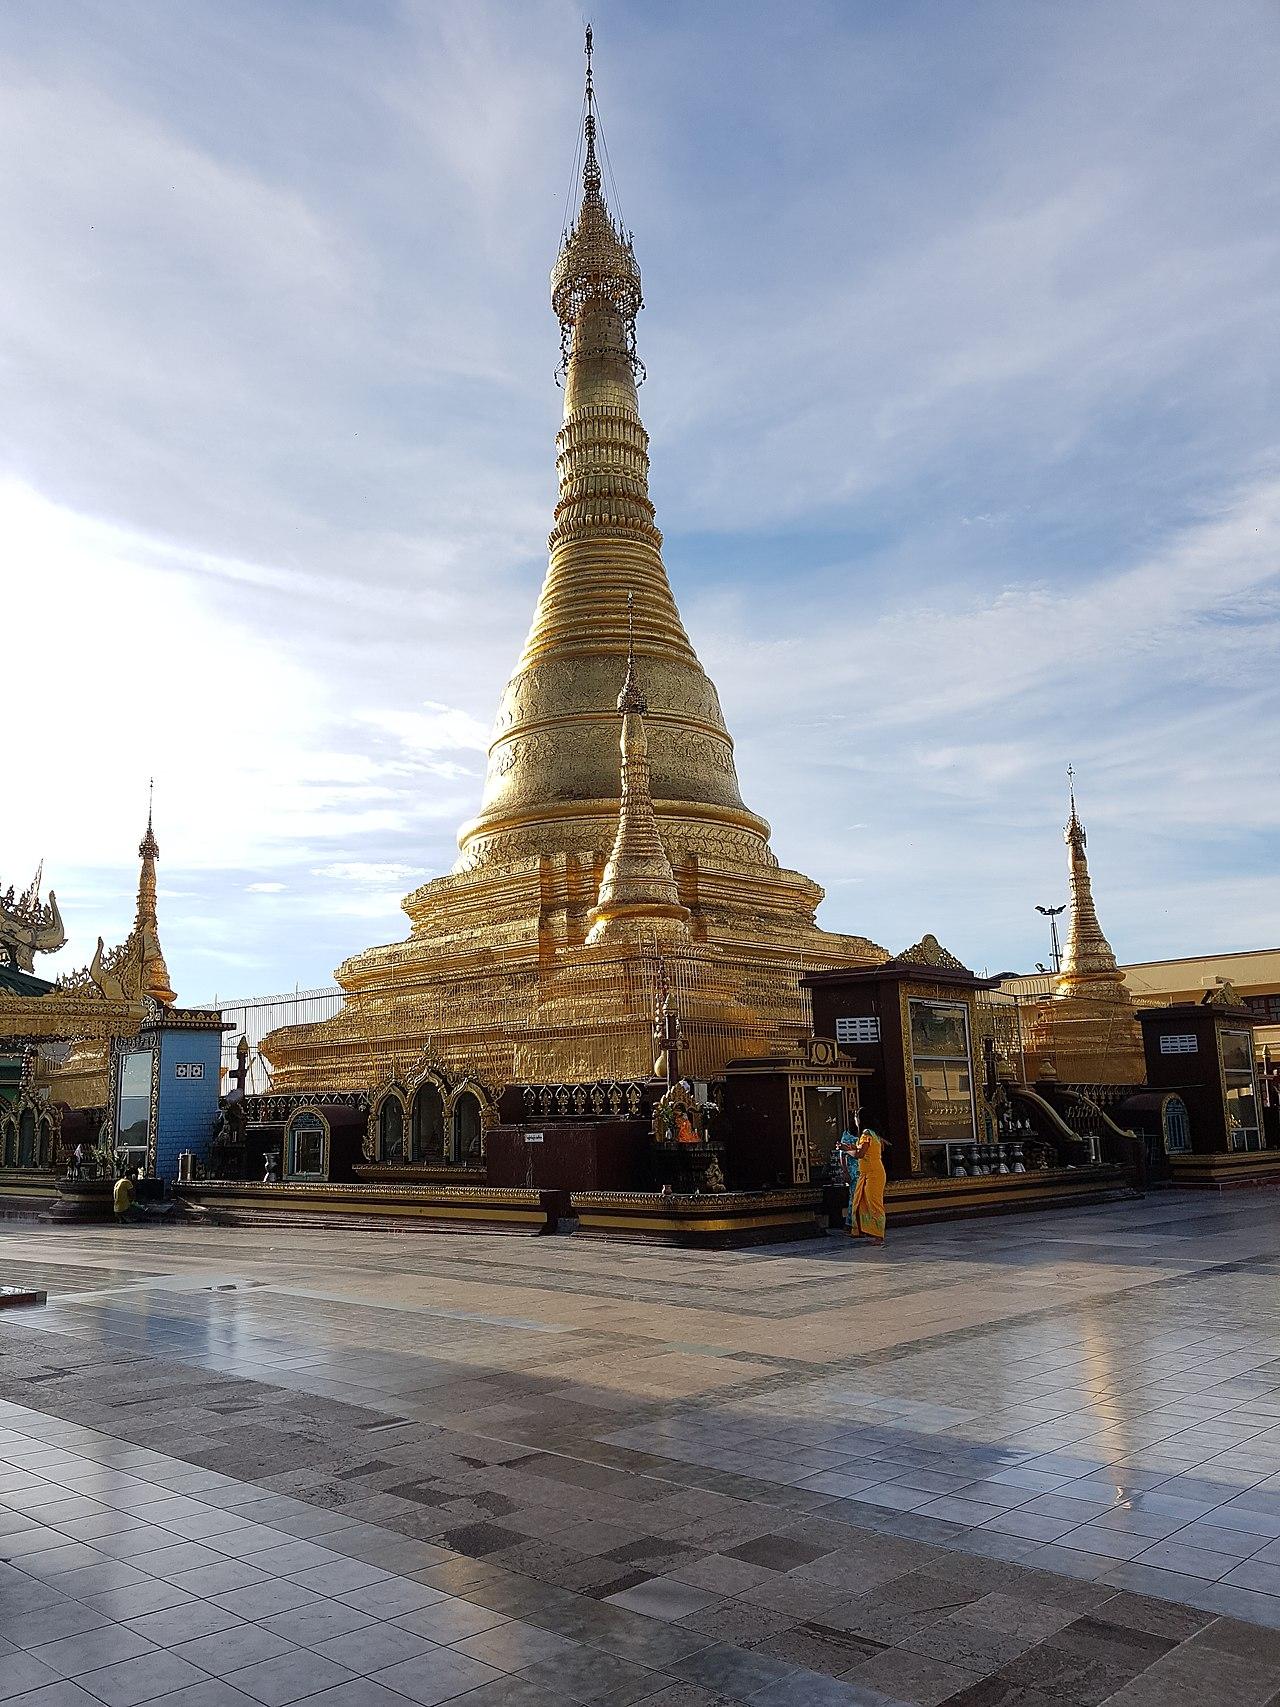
x=29 y=926
x=114 y=974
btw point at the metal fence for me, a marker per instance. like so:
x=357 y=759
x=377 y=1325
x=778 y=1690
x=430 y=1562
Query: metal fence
x=254 y=1016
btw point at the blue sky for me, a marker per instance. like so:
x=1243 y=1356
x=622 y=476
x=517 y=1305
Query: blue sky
x=966 y=444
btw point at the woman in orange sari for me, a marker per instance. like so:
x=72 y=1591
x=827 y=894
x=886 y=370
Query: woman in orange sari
x=868 y=1199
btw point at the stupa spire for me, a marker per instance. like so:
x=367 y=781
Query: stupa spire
x=146 y=927
x=638 y=896
x=1087 y=957
x=590 y=165
x=552 y=783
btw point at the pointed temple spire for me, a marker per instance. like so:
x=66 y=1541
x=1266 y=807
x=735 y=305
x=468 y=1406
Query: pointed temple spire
x=590 y=166
x=155 y=974
x=639 y=898
x=552 y=782
x=1087 y=1028
x=1087 y=957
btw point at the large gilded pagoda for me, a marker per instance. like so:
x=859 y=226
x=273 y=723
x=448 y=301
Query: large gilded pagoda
x=613 y=860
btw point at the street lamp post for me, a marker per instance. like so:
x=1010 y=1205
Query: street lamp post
x=1051 y=913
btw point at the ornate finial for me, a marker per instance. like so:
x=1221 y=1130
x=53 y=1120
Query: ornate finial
x=148 y=847
x=596 y=268
x=631 y=699
x=928 y=952
x=590 y=165
x=1075 y=831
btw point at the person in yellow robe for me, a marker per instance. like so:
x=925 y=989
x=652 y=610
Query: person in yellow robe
x=122 y=1196
x=868 y=1196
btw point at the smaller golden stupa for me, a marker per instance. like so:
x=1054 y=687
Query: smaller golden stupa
x=133 y=972
x=1087 y=1028
x=639 y=897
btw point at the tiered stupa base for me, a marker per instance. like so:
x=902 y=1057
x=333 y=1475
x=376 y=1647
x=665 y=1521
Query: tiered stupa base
x=496 y=982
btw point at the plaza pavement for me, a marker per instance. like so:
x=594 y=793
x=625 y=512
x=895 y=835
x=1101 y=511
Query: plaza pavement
x=1028 y=1461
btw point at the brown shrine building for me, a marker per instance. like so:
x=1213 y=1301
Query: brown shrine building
x=618 y=1010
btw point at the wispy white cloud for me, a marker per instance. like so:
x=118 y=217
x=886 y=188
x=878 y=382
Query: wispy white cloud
x=257 y=764
x=961 y=432
x=370 y=871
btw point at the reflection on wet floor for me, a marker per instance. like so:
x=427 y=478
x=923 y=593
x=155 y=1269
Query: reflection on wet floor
x=1094 y=1395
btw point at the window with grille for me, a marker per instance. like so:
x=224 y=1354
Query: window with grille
x=1178 y=1043
x=858 y=1030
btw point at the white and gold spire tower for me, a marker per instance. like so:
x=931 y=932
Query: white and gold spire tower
x=507 y=971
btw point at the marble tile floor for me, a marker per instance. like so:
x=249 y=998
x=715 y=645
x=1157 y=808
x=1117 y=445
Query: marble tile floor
x=1002 y=1462
x=129 y=1576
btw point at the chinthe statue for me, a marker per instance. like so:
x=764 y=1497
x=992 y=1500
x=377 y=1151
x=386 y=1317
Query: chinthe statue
x=29 y=926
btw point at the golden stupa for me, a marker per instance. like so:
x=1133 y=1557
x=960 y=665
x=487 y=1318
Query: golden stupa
x=592 y=882
x=133 y=972
x=1087 y=1029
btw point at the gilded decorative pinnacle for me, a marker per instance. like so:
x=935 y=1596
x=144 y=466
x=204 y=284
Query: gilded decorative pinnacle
x=631 y=699
x=148 y=847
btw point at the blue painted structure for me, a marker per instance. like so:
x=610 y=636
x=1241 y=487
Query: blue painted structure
x=185 y=1050
x=190 y=1062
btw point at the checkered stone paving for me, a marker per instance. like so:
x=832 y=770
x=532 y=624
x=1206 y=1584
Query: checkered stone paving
x=1028 y=1461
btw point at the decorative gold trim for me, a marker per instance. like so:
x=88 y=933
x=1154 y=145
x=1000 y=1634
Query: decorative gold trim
x=908 y=1058
x=709 y=1224
x=29 y=926
x=692 y=1207
x=928 y=952
x=512 y=1206
x=799 y=1132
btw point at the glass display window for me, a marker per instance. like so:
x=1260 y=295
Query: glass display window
x=1244 y=1129
x=824 y=1120
x=307 y=1146
x=1237 y=1052
x=133 y=1106
x=941 y=1069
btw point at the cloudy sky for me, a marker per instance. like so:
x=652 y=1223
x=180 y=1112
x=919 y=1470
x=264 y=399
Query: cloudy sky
x=962 y=349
